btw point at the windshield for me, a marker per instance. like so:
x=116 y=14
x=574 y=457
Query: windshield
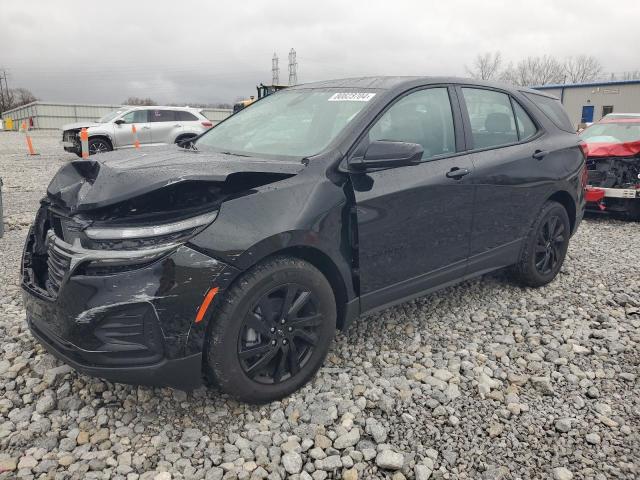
x=612 y=132
x=295 y=123
x=110 y=116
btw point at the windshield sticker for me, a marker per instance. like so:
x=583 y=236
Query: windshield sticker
x=351 y=97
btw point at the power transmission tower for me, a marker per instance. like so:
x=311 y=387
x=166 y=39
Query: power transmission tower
x=275 y=70
x=293 y=67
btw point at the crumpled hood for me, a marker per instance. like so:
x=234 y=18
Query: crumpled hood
x=116 y=176
x=607 y=149
x=79 y=125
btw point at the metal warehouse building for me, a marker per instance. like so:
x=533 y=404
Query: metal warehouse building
x=51 y=116
x=589 y=102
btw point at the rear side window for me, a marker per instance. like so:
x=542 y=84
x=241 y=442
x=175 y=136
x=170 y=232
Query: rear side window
x=422 y=117
x=526 y=127
x=553 y=109
x=491 y=118
x=185 y=116
x=162 y=115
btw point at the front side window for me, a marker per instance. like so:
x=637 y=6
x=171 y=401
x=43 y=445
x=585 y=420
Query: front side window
x=422 y=117
x=136 y=116
x=162 y=115
x=290 y=123
x=491 y=117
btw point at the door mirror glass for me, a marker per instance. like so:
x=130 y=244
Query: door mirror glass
x=385 y=154
x=119 y=121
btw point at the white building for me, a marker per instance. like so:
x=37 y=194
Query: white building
x=589 y=102
x=51 y=116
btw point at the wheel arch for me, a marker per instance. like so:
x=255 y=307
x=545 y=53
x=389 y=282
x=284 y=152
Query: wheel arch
x=565 y=199
x=102 y=136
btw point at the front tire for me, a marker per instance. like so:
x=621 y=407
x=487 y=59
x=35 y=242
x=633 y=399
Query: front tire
x=272 y=331
x=99 y=145
x=545 y=247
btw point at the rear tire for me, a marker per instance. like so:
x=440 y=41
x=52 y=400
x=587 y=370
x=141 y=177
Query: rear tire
x=272 y=331
x=545 y=247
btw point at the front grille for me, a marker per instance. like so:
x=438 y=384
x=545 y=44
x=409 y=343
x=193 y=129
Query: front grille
x=58 y=265
x=69 y=136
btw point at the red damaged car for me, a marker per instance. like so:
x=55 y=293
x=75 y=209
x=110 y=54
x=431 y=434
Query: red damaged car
x=613 y=162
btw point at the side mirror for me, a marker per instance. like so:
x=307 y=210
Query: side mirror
x=387 y=154
x=119 y=121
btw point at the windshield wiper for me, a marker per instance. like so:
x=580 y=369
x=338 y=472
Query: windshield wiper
x=234 y=154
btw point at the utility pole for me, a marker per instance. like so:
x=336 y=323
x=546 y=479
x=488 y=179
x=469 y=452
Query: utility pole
x=293 y=68
x=275 y=70
x=4 y=92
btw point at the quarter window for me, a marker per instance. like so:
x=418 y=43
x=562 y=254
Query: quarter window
x=422 y=117
x=185 y=116
x=162 y=115
x=491 y=117
x=526 y=127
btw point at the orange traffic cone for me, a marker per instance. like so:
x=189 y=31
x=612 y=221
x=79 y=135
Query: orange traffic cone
x=25 y=129
x=84 y=143
x=136 y=143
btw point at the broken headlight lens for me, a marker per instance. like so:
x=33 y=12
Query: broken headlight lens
x=150 y=232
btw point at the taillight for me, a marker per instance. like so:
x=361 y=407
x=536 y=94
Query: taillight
x=585 y=149
x=207 y=124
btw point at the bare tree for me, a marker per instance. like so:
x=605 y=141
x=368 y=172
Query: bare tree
x=16 y=97
x=582 y=68
x=486 y=66
x=532 y=71
x=139 y=101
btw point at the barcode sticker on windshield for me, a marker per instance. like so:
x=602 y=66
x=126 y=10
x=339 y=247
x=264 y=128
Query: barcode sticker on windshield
x=351 y=97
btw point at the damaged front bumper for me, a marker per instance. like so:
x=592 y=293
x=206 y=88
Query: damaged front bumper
x=125 y=319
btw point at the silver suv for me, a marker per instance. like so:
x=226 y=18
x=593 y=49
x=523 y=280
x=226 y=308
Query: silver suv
x=154 y=125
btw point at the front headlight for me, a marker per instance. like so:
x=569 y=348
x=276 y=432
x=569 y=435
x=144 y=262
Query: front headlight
x=151 y=231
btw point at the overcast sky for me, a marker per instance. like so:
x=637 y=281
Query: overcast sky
x=217 y=51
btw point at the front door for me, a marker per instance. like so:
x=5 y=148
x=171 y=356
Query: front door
x=124 y=134
x=414 y=222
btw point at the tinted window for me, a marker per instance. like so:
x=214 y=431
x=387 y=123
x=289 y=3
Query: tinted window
x=137 y=116
x=162 y=115
x=423 y=117
x=491 y=117
x=185 y=116
x=553 y=109
x=526 y=127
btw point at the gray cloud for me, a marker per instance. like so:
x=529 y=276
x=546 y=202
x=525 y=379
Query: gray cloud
x=212 y=51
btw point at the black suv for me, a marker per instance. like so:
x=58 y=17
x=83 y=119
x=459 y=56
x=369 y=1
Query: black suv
x=235 y=259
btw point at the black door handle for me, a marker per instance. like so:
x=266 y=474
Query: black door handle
x=539 y=154
x=457 y=173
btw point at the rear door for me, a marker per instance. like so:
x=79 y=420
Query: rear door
x=189 y=122
x=123 y=133
x=165 y=128
x=504 y=142
x=414 y=222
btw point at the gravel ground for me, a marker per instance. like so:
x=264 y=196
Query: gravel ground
x=480 y=381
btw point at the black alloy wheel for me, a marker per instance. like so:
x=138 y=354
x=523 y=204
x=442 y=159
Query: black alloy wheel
x=545 y=247
x=98 y=146
x=550 y=240
x=279 y=334
x=271 y=330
